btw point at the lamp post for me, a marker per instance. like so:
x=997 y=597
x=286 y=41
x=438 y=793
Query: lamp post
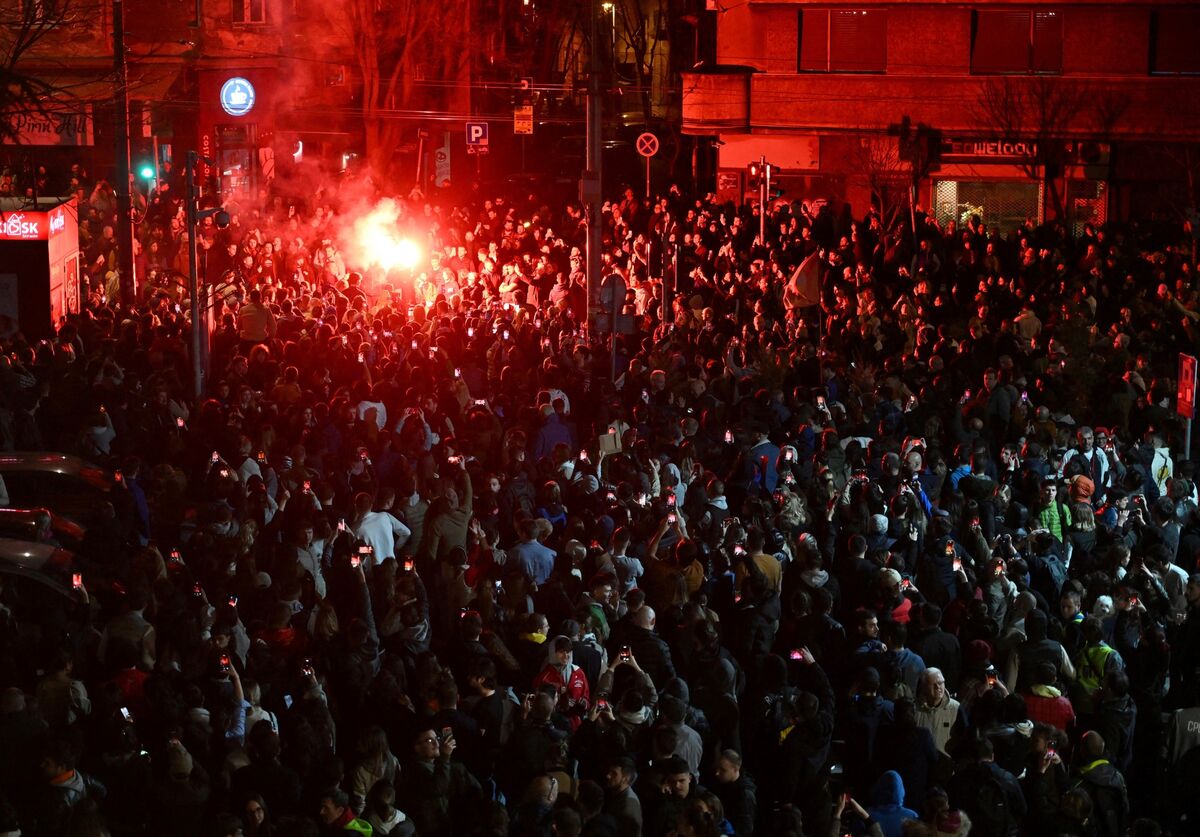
x=590 y=182
x=610 y=9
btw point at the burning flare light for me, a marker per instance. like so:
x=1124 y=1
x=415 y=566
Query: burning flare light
x=378 y=240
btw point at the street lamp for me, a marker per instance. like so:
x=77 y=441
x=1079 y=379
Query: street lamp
x=610 y=9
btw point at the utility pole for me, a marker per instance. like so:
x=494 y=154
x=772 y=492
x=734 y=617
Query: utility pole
x=124 y=204
x=590 y=183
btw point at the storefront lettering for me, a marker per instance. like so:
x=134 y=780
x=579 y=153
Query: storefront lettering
x=52 y=127
x=994 y=149
x=205 y=151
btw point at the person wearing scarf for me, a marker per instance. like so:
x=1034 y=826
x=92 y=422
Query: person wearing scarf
x=568 y=679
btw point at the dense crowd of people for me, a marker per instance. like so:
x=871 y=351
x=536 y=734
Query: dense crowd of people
x=918 y=557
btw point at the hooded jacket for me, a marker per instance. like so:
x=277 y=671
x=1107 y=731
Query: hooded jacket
x=887 y=807
x=574 y=696
x=1110 y=802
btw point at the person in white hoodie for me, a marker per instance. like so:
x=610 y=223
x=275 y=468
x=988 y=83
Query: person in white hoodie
x=378 y=530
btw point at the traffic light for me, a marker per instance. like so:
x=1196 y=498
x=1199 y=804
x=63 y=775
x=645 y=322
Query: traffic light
x=755 y=173
x=145 y=171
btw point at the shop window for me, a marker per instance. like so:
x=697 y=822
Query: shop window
x=249 y=11
x=843 y=41
x=1017 y=41
x=1006 y=204
x=1174 y=34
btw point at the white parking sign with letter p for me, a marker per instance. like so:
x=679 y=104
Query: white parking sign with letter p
x=477 y=133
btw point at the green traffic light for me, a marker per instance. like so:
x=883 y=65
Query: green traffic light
x=147 y=172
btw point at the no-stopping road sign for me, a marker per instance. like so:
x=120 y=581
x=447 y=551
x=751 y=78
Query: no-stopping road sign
x=647 y=146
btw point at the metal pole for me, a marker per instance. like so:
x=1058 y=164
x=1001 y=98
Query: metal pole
x=421 y=159
x=666 y=310
x=675 y=269
x=762 y=201
x=193 y=277
x=124 y=204
x=618 y=305
x=593 y=178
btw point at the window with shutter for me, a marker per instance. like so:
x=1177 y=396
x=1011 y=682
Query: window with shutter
x=857 y=41
x=1047 y=42
x=1017 y=41
x=1001 y=42
x=1174 y=36
x=843 y=41
x=814 y=41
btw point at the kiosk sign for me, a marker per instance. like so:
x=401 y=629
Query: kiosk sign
x=23 y=226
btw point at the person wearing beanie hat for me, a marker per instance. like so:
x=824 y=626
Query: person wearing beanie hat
x=1081 y=489
x=877 y=533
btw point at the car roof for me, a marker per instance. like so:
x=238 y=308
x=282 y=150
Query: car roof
x=30 y=555
x=10 y=569
x=57 y=463
x=24 y=515
x=32 y=515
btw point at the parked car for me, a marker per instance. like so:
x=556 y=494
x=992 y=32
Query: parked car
x=47 y=565
x=67 y=485
x=41 y=526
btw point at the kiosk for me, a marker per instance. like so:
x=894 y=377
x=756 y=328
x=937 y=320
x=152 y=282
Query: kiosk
x=39 y=266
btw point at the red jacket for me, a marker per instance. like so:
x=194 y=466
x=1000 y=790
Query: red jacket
x=1055 y=711
x=574 y=697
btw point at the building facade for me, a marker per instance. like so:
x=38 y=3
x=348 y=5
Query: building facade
x=1067 y=109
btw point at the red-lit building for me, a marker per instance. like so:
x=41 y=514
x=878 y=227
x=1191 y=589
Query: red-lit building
x=281 y=93
x=1034 y=109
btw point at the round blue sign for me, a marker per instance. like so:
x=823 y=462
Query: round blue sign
x=237 y=96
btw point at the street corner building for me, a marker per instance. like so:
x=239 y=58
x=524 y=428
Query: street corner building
x=1011 y=112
